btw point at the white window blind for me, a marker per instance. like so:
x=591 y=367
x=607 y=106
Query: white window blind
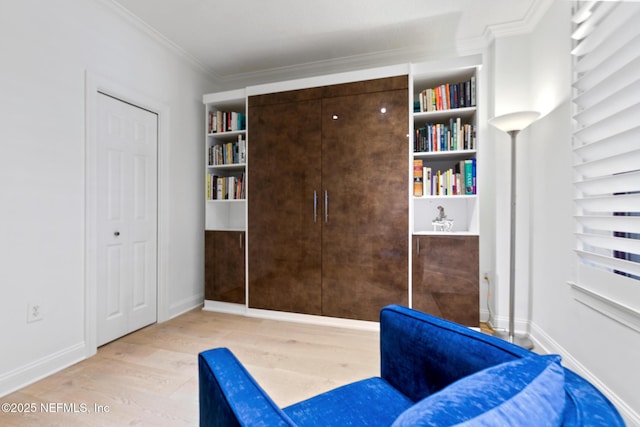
x=606 y=145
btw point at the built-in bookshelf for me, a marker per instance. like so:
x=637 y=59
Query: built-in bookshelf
x=444 y=192
x=442 y=164
x=225 y=160
x=444 y=150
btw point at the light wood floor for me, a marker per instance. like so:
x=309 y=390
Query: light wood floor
x=150 y=377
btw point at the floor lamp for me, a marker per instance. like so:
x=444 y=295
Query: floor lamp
x=512 y=124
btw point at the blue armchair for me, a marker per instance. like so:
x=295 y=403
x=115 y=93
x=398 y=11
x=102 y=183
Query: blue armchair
x=433 y=373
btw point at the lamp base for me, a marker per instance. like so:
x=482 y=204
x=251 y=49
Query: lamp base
x=517 y=339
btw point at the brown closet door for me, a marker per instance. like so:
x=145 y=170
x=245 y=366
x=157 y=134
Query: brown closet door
x=224 y=266
x=364 y=170
x=445 y=277
x=283 y=174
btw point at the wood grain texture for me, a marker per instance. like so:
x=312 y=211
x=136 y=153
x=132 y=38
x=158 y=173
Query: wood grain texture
x=284 y=240
x=150 y=377
x=330 y=91
x=364 y=170
x=353 y=262
x=366 y=87
x=445 y=277
x=225 y=266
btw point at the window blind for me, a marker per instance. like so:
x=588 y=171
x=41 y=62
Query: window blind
x=606 y=139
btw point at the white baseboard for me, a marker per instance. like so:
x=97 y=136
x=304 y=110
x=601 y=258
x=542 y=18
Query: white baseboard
x=545 y=344
x=185 y=305
x=314 y=320
x=501 y=323
x=225 y=307
x=41 y=368
x=242 y=310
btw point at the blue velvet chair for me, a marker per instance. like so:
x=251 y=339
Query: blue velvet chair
x=433 y=373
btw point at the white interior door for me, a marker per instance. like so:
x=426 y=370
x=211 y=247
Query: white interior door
x=127 y=218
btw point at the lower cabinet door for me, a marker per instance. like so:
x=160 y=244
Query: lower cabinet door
x=224 y=274
x=445 y=277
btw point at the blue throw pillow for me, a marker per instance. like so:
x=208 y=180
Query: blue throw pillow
x=523 y=392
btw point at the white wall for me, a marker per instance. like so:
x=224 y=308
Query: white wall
x=45 y=50
x=603 y=350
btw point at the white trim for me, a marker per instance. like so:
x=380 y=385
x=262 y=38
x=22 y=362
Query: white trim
x=35 y=371
x=545 y=344
x=240 y=309
x=185 y=305
x=313 y=320
x=362 y=61
x=152 y=33
x=329 y=79
x=525 y=25
x=93 y=84
x=224 y=307
x=414 y=54
x=501 y=324
x=614 y=310
x=354 y=63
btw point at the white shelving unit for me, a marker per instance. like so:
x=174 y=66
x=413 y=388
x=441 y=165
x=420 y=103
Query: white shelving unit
x=463 y=209
x=445 y=278
x=225 y=214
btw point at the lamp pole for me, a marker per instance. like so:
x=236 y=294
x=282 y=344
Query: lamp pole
x=512 y=124
x=522 y=341
x=512 y=233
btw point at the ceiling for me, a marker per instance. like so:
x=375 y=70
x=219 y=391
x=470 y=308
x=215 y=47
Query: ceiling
x=243 y=39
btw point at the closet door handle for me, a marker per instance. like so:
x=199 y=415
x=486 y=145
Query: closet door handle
x=418 y=242
x=315 y=206
x=240 y=238
x=326 y=207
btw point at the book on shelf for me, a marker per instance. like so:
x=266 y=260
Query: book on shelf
x=418 y=185
x=469 y=176
x=226 y=121
x=447 y=96
x=426 y=180
x=242 y=150
x=451 y=136
x=475 y=176
x=225 y=187
x=457 y=180
x=228 y=153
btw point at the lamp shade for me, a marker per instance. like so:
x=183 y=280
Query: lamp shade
x=514 y=121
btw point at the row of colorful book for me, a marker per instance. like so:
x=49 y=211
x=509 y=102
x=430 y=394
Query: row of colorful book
x=228 y=153
x=443 y=137
x=458 y=180
x=447 y=96
x=225 y=187
x=226 y=121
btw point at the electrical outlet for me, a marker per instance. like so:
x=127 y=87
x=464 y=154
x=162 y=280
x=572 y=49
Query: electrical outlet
x=486 y=276
x=34 y=312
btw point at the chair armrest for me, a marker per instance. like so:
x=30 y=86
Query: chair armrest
x=229 y=396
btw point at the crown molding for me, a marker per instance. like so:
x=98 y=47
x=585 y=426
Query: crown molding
x=155 y=35
x=342 y=64
x=523 y=26
x=336 y=65
x=411 y=54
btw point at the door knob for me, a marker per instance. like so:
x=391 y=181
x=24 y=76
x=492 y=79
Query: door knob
x=117 y=233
